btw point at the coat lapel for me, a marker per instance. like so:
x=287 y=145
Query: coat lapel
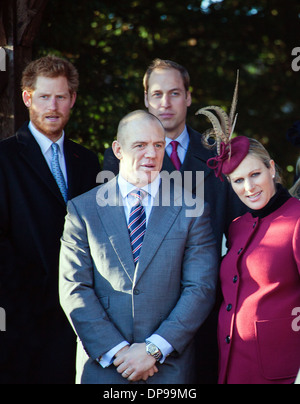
x=114 y=222
x=113 y=218
x=195 y=159
x=196 y=156
x=74 y=169
x=31 y=153
x=160 y=221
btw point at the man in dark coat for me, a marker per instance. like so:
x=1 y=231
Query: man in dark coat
x=38 y=346
x=167 y=96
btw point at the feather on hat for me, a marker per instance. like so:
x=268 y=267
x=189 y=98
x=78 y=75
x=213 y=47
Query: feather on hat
x=230 y=152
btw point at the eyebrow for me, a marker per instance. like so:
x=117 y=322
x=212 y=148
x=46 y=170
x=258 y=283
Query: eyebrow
x=138 y=142
x=145 y=142
x=169 y=91
x=40 y=92
x=251 y=172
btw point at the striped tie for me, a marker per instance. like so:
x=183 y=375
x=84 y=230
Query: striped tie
x=57 y=173
x=137 y=225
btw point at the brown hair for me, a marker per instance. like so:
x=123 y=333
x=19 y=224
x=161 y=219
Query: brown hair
x=52 y=67
x=259 y=151
x=166 y=64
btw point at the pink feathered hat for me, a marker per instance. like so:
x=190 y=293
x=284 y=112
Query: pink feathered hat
x=230 y=157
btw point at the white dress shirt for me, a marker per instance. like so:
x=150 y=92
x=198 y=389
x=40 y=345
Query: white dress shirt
x=128 y=201
x=183 y=141
x=45 y=146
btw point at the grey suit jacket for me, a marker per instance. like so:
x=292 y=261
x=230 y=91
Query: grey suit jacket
x=107 y=299
x=224 y=203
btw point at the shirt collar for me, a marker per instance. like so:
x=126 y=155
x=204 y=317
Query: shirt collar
x=183 y=139
x=126 y=188
x=44 y=142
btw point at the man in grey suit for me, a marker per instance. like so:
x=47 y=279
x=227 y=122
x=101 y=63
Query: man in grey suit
x=167 y=96
x=136 y=309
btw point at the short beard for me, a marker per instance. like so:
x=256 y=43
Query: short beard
x=52 y=133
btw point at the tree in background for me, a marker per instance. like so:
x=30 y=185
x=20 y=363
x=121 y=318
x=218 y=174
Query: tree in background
x=19 y=25
x=112 y=43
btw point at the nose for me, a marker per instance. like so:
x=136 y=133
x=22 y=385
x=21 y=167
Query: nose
x=165 y=101
x=150 y=152
x=53 y=103
x=249 y=185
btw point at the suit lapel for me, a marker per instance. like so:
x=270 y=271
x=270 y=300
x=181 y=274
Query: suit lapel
x=196 y=156
x=113 y=219
x=31 y=153
x=74 y=172
x=167 y=164
x=114 y=223
x=160 y=221
x=195 y=159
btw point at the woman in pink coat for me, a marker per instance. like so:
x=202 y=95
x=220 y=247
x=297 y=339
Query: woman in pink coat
x=259 y=320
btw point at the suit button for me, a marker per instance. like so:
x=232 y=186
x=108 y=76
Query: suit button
x=235 y=279
x=227 y=339
x=136 y=292
x=229 y=307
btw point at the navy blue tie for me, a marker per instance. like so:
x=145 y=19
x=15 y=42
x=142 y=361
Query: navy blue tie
x=137 y=225
x=57 y=173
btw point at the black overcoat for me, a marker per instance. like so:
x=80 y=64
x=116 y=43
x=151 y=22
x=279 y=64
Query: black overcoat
x=38 y=345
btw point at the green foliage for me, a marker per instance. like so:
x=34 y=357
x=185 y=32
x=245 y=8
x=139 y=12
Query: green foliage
x=113 y=42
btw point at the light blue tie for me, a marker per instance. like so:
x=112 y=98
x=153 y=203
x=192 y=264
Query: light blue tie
x=57 y=173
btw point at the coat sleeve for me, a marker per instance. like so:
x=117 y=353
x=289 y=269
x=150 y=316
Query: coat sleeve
x=198 y=285
x=111 y=163
x=5 y=246
x=7 y=252
x=77 y=296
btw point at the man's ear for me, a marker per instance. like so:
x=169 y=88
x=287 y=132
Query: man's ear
x=73 y=99
x=188 y=99
x=26 y=95
x=146 y=99
x=117 y=149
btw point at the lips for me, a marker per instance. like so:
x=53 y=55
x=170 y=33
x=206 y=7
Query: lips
x=166 y=116
x=52 y=118
x=149 y=166
x=255 y=197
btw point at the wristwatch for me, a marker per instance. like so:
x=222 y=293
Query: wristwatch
x=153 y=351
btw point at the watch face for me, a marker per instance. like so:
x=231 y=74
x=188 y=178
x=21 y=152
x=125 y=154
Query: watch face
x=152 y=349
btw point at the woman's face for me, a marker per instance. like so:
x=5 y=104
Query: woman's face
x=253 y=182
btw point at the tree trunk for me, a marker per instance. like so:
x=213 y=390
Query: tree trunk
x=19 y=24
